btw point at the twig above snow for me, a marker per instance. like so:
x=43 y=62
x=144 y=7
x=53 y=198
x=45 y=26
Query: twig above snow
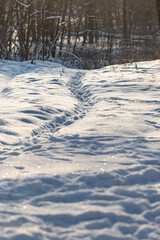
x=24 y=5
x=53 y=17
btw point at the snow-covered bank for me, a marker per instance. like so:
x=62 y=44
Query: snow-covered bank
x=80 y=152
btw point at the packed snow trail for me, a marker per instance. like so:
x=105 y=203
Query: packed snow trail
x=79 y=152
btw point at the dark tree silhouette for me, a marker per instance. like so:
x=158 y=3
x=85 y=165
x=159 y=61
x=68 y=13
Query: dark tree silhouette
x=158 y=9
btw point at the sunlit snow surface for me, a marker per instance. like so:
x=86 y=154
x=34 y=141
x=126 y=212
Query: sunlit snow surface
x=79 y=152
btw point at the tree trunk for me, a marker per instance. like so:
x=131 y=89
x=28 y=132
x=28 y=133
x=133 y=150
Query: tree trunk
x=124 y=19
x=43 y=29
x=158 y=9
x=28 y=30
x=63 y=23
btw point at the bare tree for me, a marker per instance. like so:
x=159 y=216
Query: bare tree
x=158 y=9
x=125 y=18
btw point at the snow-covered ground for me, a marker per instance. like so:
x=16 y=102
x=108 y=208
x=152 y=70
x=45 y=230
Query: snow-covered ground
x=79 y=152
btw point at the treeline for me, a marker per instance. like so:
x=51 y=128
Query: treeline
x=75 y=29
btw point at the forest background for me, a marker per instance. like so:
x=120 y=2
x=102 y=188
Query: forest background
x=83 y=33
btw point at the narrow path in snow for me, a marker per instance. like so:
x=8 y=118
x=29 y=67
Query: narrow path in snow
x=39 y=104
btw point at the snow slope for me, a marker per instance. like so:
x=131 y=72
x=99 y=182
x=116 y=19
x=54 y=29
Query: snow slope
x=79 y=152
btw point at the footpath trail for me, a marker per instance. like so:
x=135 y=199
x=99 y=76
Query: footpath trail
x=79 y=152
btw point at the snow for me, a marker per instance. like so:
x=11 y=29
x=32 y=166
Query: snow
x=53 y=17
x=79 y=152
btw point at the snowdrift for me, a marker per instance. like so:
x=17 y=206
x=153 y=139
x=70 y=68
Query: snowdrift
x=79 y=152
